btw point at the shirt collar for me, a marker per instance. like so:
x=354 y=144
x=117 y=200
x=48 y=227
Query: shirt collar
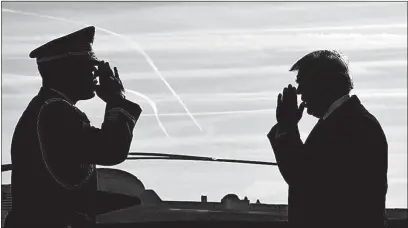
x=63 y=95
x=336 y=105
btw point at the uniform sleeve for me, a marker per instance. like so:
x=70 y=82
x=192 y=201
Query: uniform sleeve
x=288 y=149
x=63 y=130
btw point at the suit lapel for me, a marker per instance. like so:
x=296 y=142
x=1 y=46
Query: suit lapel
x=314 y=132
x=319 y=129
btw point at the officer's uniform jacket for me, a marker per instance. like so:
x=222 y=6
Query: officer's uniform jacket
x=54 y=152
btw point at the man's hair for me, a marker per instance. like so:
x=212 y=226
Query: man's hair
x=326 y=64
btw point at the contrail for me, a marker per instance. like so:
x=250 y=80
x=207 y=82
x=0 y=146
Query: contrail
x=156 y=113
x=152 y=104
x=209 y=113
x=133 y=44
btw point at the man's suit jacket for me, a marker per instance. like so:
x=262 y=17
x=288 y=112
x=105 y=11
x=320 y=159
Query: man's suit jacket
x=338 y=177
x=54 y=152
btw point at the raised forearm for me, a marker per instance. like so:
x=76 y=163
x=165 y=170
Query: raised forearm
x=287 y=147
x=120 y=118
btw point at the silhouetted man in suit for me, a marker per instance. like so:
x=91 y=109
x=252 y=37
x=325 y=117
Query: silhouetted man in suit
x=55 y=149
x=338 y=176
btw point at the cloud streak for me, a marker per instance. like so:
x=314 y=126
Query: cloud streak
x=154 y=107
x=249 y=41
x=271 y=95
x=189 y=33
x=215 y=113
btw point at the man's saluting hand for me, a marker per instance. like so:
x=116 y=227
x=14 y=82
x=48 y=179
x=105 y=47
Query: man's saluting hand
x=288 y=113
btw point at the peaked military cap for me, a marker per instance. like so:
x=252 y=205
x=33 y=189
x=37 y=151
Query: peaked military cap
x=78 y=43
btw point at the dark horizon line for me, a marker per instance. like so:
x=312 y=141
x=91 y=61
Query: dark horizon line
x=166 y=156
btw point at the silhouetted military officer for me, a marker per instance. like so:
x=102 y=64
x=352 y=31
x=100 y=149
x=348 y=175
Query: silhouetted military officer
x=55 y=149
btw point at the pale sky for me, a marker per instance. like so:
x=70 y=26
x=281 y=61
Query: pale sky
x=226 y=62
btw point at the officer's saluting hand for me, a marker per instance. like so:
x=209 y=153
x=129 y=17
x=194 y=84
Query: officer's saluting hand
x=110 y=84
